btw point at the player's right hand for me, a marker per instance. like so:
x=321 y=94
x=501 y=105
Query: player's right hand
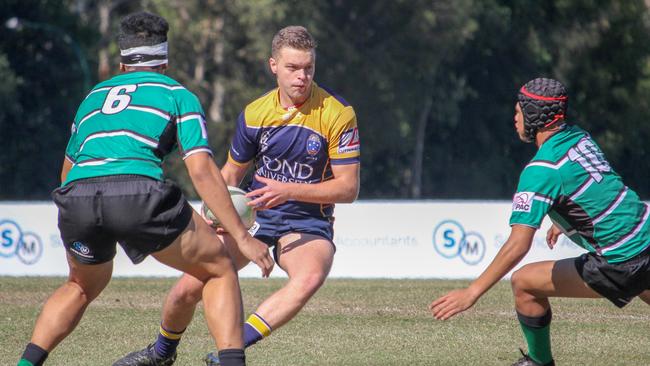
x=551 y=236
x=452 y=303
x=258 y=253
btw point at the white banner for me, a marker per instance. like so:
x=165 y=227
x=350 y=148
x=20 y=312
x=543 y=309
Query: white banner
x=383 y=239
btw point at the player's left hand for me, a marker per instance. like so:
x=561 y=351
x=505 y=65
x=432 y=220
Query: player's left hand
x=452 y=303
x=272 y=194
x=551 y=236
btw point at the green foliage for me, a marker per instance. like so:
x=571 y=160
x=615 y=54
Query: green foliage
x=433 y=82
x=41 y=88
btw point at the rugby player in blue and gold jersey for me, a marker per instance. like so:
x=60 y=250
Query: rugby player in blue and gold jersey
x=113 y=191
x=304 y=143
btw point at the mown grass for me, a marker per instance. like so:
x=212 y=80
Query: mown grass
x=348 y=322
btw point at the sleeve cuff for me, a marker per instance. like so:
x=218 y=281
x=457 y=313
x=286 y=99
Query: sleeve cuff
x=188 y=153
x=529 y=225
x=238 y=163
x=345 y=161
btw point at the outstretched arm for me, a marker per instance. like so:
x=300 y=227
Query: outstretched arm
x=342 y=188
x=512 y=252
x=210 y=185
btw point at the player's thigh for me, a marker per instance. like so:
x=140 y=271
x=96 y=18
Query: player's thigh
x=197 y=251
x=238 y=258
x=91 y=278
x=552 y=279
x=301 y=254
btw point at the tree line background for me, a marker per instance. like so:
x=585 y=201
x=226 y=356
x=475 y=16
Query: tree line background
x=433 y=82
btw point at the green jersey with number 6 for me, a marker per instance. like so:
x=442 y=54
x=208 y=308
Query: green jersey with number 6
x=570 y=180
x=129 y=123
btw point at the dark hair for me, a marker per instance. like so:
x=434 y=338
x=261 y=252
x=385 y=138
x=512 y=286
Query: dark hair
x=142 y=29
x=543 y=103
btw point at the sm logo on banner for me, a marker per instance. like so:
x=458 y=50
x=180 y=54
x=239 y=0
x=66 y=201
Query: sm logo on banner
x=25 y=246
x=450 y=241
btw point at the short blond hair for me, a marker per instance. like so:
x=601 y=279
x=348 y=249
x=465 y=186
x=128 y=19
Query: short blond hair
x=294 y=36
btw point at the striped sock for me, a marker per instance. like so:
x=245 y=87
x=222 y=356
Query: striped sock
x=537 y=331
x=167 y=342
x=255 y=329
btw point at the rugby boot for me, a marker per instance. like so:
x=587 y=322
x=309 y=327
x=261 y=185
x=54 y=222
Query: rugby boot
x=145 y=357
x=211 y=359
x=527 y=361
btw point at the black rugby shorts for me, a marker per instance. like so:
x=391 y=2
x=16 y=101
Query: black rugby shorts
x=618 y=282
x=142 y=214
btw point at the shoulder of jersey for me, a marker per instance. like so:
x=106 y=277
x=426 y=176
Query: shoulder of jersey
x=261 y=108
x=333 y=104
x=331 y=98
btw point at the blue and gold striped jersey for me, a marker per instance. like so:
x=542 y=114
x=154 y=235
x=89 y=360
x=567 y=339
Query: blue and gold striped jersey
x=298 y=144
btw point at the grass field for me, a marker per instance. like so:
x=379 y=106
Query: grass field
x=349 y=322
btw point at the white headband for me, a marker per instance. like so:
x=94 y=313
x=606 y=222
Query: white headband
x=145 y=55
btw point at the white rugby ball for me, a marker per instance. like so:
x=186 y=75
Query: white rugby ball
x=239 y=200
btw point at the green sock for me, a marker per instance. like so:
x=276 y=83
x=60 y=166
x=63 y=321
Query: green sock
x=537 y=331
x=24 y=362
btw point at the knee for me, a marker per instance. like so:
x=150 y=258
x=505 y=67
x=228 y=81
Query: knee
x=84 y=294
x=308 y=285
x=209 y=267
x=519 y=282
x=186 y=294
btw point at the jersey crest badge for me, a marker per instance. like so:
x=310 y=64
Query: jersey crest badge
x=313 y=144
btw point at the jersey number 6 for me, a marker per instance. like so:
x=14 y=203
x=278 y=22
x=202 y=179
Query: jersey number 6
x=117 y=99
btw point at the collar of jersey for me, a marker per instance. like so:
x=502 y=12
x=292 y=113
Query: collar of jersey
x=282 y=110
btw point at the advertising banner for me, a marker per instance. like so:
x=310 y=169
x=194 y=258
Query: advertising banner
x=374 y=239
x=449 y=239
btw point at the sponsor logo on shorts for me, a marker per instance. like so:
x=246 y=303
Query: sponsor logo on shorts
x=522 y=201
x=313 y=144
x=81 y=249
x=349 y=141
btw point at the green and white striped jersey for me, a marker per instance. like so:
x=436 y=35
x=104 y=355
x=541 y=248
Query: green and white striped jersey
x=570 y=180
x=129 y=123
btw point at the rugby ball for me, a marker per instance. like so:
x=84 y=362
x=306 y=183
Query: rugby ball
x=239 y=200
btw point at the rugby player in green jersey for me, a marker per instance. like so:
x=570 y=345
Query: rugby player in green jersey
x=569 y=180
x=113 y=191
